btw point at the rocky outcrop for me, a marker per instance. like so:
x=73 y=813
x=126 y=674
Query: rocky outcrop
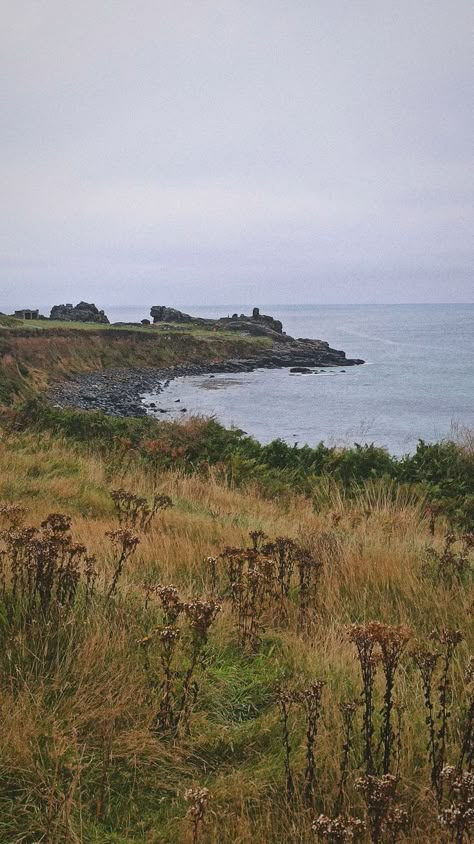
x=272 y=323
x=82 y=312
x=161 y=313
x=258 y=325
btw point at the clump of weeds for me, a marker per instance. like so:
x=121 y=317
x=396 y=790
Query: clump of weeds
x=264 y=582
x=434 y=668
x=454 y=564
x=136 y=513
x=308 y=700
x=172 y=652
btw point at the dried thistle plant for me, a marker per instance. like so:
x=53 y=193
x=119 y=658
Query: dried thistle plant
x=176 y=647
x=41 y=568
x=286 y=699
x=378 y=644
x=348 y=712
x=362 y=636
x=458 y=817
x=251 y=587
x=136 y=513
x=392 y=641
x=200 y=616
x=379 y=798
x=428 y=662
x=169 y=601
x=283 y=551
x=198 y=798
x=311 y=699
x=261 y=579
x=124 y=544
x=453 y=565
x=309 y=573
x=13 y=514
x=342 y=829
x=449 y=639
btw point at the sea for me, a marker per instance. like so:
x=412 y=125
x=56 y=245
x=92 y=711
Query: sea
x=417 y=381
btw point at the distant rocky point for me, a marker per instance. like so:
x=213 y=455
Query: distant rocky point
x=82 y=312
x=282 y=351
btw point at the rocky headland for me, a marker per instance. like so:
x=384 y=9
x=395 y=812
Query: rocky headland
x=257 y=325
x=118 y=391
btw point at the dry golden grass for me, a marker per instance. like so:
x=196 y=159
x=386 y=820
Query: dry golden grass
x=84 y=730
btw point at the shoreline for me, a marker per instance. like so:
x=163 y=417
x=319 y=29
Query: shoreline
x=119 y=391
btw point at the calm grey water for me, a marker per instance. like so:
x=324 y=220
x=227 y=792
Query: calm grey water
x=418 y=381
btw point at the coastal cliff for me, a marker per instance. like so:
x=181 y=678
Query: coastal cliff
x=107 y=367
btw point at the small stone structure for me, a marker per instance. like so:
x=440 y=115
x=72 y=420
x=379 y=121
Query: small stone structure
x=27 y=313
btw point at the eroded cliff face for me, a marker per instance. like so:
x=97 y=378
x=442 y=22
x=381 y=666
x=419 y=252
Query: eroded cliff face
x=31 y=359
x=118 y=391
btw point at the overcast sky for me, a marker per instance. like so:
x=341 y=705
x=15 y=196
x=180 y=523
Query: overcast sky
x=218 y=151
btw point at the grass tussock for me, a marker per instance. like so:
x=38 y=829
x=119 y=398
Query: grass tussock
x=186 y=660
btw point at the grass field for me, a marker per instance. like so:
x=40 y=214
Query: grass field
x=81 y=757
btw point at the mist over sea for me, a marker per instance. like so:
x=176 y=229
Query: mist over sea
x=418 y=381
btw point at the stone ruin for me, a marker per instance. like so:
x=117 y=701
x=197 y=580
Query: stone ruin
x=82 y=312
x=27 y=313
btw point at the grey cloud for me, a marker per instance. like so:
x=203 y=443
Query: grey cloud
x=268 y=150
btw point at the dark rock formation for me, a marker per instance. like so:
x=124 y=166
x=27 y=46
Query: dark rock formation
x=256 y=328
x=161 y=313
x=275 y=324
x=82 y=312
x=258 y=324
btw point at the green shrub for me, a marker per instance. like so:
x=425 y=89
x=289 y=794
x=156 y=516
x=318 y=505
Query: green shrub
x=443 y=471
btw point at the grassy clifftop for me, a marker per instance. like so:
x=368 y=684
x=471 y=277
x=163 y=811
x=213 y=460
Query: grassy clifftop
x=31 y=356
